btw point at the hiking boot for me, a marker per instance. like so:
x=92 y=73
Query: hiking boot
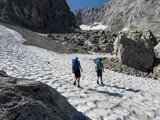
x=97 y=82
x=102 y=83
x=79 y=86
x=74 y=83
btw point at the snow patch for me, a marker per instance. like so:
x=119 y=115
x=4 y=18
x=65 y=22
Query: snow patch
x=95 y=26
x=43 y=35
x=124 y=29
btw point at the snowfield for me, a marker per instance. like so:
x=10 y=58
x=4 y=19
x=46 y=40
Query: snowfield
x=122 y=97
x=95 y=26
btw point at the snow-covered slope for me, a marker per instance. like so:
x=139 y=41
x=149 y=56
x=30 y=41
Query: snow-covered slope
x=121 y=98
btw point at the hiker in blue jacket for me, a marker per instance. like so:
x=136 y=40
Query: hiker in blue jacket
x=76 y=69
x=99 y=69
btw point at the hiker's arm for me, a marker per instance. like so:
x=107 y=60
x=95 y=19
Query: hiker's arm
x=81 y=68
x=103 y=67
x=73 y=70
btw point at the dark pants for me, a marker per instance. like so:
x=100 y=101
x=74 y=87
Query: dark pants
x=99 y=73
x=77 y=73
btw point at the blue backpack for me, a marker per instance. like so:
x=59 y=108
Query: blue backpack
x=75 y=64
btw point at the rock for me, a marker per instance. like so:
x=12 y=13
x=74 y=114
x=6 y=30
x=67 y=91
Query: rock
x=3 y=73
x=149 y=36
x=135 y=35
x=156 y=72
x=38 y=14
x=157 y=50
x=107 y=48
x=115 y=65
x=89 y=43
x=30 y=100
x=80 y=43
x=136 y=51
x=102 y=41
x=96 y=48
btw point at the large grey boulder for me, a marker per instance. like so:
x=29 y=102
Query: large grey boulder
x=29 y=100
x=136 y=50
x=37 y=13
x=115 y=65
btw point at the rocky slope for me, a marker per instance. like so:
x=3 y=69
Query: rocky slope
x=37 y=14
x=120 y=14
x=84 y=41
x=29 y=100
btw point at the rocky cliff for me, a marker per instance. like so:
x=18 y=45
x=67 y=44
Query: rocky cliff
x=124 y=14
x=89 y=16
x=37 y=14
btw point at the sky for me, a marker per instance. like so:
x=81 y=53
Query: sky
x=79 y=4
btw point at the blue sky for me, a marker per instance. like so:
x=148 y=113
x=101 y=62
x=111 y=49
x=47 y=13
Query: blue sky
x=79 y=4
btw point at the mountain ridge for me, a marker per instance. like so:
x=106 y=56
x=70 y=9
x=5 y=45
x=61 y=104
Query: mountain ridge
x=120 y=14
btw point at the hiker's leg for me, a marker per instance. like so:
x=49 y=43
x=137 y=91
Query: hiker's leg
x=100 y=74
x=76 y=76
x=97 y=79
x=79 y=76
x=78 y=82
x=75 y=81
x=101 y=80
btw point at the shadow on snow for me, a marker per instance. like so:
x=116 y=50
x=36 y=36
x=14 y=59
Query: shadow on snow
x=108 y=93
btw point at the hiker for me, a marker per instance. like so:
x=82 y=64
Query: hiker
x=76 y=69
x=99 y=69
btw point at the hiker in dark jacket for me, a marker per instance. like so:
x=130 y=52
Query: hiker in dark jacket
x=76 y=69
x=99 y=70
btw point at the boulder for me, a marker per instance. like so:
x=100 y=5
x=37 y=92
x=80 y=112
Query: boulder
x=145 y=35
x=30 y=100
x=89 y=43
x=156 y=71
x=157 y=50
x=115 y=65
x=38 y=14
x=136 y=50
x=107 y=48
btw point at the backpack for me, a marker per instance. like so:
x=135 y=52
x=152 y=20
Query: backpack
x=75 y=64
x=99 y=65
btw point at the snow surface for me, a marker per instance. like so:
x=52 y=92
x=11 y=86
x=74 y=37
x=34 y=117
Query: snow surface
x=122 y=97
x=125 y=29
x=95 y=26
